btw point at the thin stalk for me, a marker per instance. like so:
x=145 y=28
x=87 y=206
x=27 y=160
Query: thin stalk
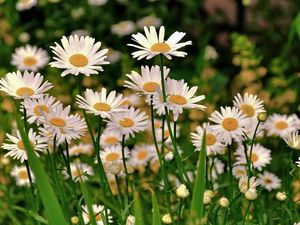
x=125 y=167
x=119 y=192
x=248 y=207
x=179 y=211
x=230 y=171
x=216 y=215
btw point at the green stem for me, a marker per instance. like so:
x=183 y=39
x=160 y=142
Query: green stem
x=125 y=167
x=179 y=211
x=248 y=207
x=230 y=171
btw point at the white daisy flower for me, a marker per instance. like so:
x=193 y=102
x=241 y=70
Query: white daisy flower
x=152 y=44
x=131 y=100
x=21 y=175
x=79 y=55
x=215 y=168
x=79 y=171
x=149 y=21
x=27 y=85
x=113 y=56
x=141 y=155
x=81 y=149
x=213 y=143
x=293 y=140
x=244 y=186
x=29 y=58
x=99 y=213
x=97 y=2
x=260 y=157
x=148 y=82
x=167 y=136
x=62 y=125
x=123 y=28
x=114 y=153
x=128 y=122
x=25 y=4
x=101 y=104
x=280 y=125
x=250 y=129
x=269 y=181
x=250 y=105
x=239 y=171
x=230 y=124
x=298 y=162
x=35 y=108
x=16 y=146
x=109 y=138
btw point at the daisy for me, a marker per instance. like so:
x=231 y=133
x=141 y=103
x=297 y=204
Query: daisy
x=109 y=138
x=298 y=162
x=27 y=85
x=250 y=105
x=35 y=108
x=293 y=140
x=114 y=154
x=152 y=44
x=99 y=213
x=21 y=175
x=101 y=104
x=244 y=185
x=128 y=122
x=213 y=142
x=113 y=56
x=239 y=171
x=79 y=171
x=131 y=100
x=141 y=155
x=280 y=125
x=215 y=168
x=123 y=28
x=81 y=149
x=269 y=181
x=149 y=21
x=62 y=125
x=25 y=4
x=29 y=58
x=167 y=137
x=148 y=82
x=260 y=157
x=97 y=2
x=79 y=55
x=230 y=124
x=16 y=146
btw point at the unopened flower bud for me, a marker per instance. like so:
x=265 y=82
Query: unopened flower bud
x=113 y=167
x=182 y=191
x=224 y=202
x=206 y=199
x=169 y=156
x=166 y=219
x=262 y=116
x=251 y=194
x=210 y=193
x=281 y=196
x=130 y=220
x=74 y=220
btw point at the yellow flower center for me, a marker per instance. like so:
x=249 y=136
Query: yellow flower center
x=23 y=175
x=268 y=181
x=248 y=110
x=21 y=145
x=110 y=140
x=98 y=217
x=40 y=108
x=150 y=86
x=254 y=157
x=126 y=102
x=58 y=122
x=30 y=61
x=178 y=99
x=281 y=125
x=210 y=139
x=126 y=122
x=78 y=60
x=141 y=155
x=77 y=172
x=100 y=106
x=24 y=91
x=112 y=156
x=230 y=124
x=157 y=125
x=166 y=133
x=160 y=47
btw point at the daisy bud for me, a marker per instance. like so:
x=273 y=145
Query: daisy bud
x=206 y=198
x=224 y=202
x=182 y=191
x=113 y=167
x=210 y=193
x=130 y=220
x=281 y=196
x=166 y=219
x=169 y=156
x=251 y=194
x=262 y=116
x=74 y=220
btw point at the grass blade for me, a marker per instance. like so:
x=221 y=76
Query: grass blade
x=138 y=214
x=156 y=217
x=197 y=206
x=88 y=202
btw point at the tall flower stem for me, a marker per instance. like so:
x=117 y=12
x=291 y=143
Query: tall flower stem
x=246 y=213
x=125 y=167
x=230 y=171
x=160 y=158
x=178 y=159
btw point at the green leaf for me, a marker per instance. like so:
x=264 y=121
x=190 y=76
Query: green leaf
x=88 y=202
x=33 y=214
x=197 y=206
x=156 y=217
x=138 y=214
x=49 y=200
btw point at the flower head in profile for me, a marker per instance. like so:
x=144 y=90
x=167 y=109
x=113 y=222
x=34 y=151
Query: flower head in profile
x=293 y=140
x=79 y=171
x=29 y=58
x=99 y=214
x=25 y=4
x=21 y=175
x=26 y=85
x=152 y=44
x=79 y=55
